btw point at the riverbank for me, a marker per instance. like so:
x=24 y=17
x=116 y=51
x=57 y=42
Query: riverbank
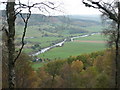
x=72 y=49
x=60 y=44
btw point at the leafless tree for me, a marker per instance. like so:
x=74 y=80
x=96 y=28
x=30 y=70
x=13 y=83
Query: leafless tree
x=111 y=11
x=12 y=10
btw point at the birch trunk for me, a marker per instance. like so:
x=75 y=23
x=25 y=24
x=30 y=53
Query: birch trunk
x=10 y=12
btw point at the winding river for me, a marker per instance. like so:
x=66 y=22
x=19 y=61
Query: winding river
x=59 y=44
x=50 y=47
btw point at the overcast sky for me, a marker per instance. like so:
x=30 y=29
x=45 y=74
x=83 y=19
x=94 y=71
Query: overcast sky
x=69 y=7
x=77 y=7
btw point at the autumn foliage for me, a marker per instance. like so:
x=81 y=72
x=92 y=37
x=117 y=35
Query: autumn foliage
x=95 y=70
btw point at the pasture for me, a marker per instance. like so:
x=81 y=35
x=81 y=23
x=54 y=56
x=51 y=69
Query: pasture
x=76 y=48
x=73 y=49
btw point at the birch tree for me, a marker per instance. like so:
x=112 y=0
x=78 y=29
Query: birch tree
x=12 y=10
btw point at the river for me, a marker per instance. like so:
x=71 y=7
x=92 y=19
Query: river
x=50 y=47
x=59 y=44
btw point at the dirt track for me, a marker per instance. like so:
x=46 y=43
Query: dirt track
x=90 y=41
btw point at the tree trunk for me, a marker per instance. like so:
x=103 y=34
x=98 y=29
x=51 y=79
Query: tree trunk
x=117 y=78
x=52 y=83
x=10 y=12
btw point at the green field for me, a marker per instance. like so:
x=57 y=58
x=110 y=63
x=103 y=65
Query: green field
x=44 y=41
x=69 y=48
x=40 y=37
x=72 y=49
x=75 y=48
x=36 y=65
x=96 y=28
x=96 y=37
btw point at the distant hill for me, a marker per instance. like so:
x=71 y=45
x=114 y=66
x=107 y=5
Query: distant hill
x=87 y=17
x=70 y=24
x=39 y=18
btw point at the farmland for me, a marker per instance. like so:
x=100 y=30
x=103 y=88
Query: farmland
x=75 y=48
x=47 y=32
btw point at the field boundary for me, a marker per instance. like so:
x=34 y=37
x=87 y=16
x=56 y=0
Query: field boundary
x=90 y=41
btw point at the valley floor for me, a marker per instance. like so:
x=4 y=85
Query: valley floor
x=77 y=47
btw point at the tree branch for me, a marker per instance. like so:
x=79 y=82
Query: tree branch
x=24 y=33
x=99 y=6
x=4 y=29
x=21 y=6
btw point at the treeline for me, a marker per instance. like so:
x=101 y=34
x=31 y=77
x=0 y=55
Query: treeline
x=95 y=70
x=62 y=27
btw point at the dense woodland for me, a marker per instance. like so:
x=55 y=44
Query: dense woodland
x=95 y=70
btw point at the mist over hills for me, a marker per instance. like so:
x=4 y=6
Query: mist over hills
x=96 y=18
x=38 y=18
x=70 y=24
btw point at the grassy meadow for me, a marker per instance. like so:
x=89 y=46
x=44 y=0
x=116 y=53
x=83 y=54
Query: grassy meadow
x=72 y=49
x=96 y=37
x=43 y=34
x=75 y=48
x=96 y=28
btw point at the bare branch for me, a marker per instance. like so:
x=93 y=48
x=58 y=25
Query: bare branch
x=88 y=5
x=24 y=33
x=18 y=12
x=25 y=20
x=4 y=29
x=101 y=7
